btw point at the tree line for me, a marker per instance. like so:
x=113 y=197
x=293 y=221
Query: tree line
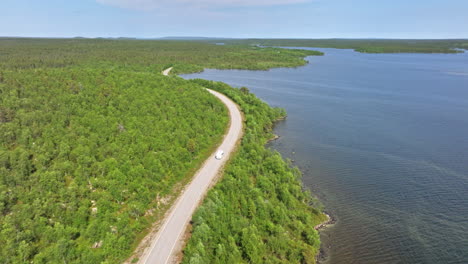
x=142 y=55
x=365 y=45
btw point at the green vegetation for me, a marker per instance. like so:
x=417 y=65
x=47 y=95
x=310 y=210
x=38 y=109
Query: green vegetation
x=85 y=153
x=363 y=45
x=94 y=141
x=142 y=55
x=258 y=212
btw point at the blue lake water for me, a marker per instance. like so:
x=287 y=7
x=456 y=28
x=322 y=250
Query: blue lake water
x=382 y=140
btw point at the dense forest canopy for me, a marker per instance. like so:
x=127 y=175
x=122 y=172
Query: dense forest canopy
x=142 y=55
x=94 y=142
x=363 y=45
x=84 y=154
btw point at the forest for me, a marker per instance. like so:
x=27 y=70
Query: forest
x=259 y=212
x=363 y=45
x=95 y=142
x=85 y=154
x=142 y=55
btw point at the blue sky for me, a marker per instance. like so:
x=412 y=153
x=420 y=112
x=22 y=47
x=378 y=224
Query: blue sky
x=236 y=18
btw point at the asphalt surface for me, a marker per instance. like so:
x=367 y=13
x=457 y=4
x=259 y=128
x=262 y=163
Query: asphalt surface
x=169 y=239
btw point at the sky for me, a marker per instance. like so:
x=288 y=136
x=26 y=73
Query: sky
x=235 y=18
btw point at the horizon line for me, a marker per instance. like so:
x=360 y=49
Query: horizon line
x=227 y=38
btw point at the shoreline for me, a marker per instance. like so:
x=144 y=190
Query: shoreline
x=331 y=240
x=322 y=254
x=275 y=137
x=327 y=223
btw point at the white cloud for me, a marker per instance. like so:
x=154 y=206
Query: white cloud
x=153 y=4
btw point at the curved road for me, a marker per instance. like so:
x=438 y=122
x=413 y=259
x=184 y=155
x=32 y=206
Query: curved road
x=167 y=71
x=169 y=238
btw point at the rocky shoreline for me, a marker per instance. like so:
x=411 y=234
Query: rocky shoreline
x=322 y=256
x=275 y=137
x=330 y=221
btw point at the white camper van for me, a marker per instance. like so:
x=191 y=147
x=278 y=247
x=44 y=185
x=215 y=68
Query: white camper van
x=219 y=155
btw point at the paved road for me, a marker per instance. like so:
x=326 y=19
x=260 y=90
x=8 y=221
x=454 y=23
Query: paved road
x=169 y=238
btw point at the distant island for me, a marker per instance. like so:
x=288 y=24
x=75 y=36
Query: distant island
x=359 y=45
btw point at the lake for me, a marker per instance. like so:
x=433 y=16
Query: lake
x=382 y=140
